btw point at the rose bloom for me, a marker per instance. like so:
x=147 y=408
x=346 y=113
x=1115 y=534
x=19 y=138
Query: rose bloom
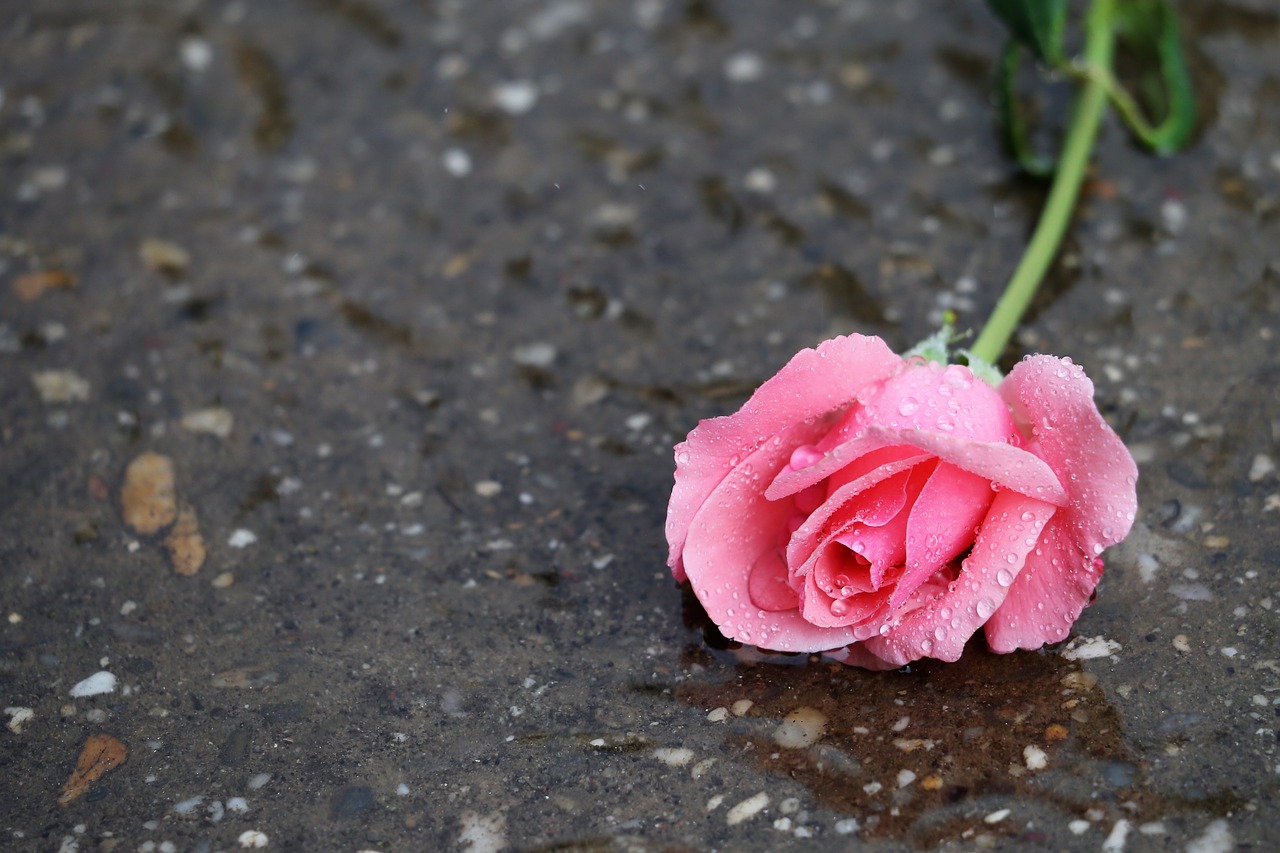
x=882 y=510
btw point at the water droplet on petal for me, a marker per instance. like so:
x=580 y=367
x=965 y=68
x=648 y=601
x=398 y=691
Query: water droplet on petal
x=1004 y=578
x=908 y=406
x=839 y=607
x=926 y=646
x=940 y=632
x=1028 y=516
x=985 y=608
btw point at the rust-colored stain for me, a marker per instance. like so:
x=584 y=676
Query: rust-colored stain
x=102 y=753
x=148 y=495
x=185 y=544
x=32 y=285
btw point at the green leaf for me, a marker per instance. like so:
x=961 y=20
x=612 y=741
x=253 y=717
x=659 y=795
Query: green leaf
x=1036 y=24
x=1148 y=30
x=1015 y=127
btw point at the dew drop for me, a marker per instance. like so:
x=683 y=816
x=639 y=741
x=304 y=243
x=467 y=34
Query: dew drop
x=1028 y=516
x=944 y=613
x=1010 y=559
x=940 y=632
x=926 y=646
x=908 y=406
x=839 y=607
x=985 y=608
x=1004 y=578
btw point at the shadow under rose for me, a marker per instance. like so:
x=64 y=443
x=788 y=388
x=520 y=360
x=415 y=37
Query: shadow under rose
x=935 y=751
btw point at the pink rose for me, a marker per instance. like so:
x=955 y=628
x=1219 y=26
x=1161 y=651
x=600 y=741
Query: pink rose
x=887 y=509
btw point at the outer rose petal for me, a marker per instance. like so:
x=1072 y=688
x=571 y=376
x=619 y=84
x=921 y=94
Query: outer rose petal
x=735 y=530
x=999 y=552
x=814 y=383
x=1048 y=595
x=1055 y=399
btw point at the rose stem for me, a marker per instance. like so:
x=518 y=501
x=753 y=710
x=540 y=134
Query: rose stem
x=1098 y=50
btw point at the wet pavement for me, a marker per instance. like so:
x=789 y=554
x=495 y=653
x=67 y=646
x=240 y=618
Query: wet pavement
x=342 y=347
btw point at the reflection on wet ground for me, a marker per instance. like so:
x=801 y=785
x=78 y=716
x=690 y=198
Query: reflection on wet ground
x=936 y=752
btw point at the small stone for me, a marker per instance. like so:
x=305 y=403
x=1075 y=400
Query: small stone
x=541 y=355
x=801 y=728
x=1182 y=643
x=905 y=778
x=94 y=685
x=19 y=717
x=744 y=67
x=164 y=256
x=483 y=833
x=252 y=838
x=148 y=495
x=747 y=809
x=61 y=386
x=224 y=581
x=1035 y=757
x=760 y=180
x=488 y=488
x=515 y=97
x=215 y=421
x=456 y=162
x=1089 y=648
x=1115 y=840
x=196 y=53
x=1263 y=466
x=673 y=756
x=718 y=715
x=242 y=538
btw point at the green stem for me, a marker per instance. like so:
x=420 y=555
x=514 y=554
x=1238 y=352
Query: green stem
x=1098 y=50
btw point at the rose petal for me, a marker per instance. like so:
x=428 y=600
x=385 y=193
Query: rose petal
x=734 y=532
x=813 y=383
x=949 y=399
x=819 y=525
x=1002 y=464
x=791 y=480
x=999 y=554
x=1055 y=399
x=768 y=586
x=1052 y=589
x=943 y=518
